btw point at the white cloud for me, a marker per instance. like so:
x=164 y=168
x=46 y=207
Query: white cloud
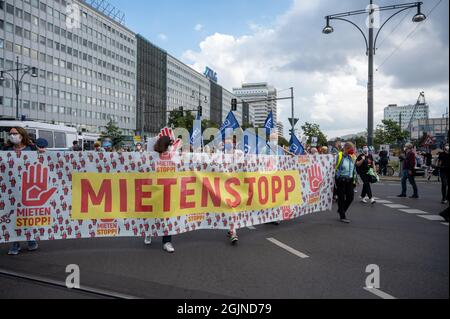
x=162 y=37
x=198 y=27
x=329 y=73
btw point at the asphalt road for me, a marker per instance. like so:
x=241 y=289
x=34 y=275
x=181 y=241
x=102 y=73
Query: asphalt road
x=411 y=252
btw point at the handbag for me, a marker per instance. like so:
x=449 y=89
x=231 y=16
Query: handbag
x=374 y=178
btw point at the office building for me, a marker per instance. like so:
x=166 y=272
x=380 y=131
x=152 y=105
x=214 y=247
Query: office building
x=263 y=97
x=404 y=114
x=86 y=65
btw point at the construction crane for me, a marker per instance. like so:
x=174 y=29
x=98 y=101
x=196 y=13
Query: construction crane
x=420 y=102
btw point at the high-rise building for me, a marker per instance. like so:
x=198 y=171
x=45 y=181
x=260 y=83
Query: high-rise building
x=265 y=95
x=404 y=114
x=151 y=107
x=437 y=128
x=86 y=64
x=280 y=129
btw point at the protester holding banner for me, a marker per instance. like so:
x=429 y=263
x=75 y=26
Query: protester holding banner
x=163 y=146
x=19 y=140
x=345 y=180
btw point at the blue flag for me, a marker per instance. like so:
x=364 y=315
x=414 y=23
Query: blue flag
x=269 y=124
x=296 y=146
x=230 y=122
x=196 y=136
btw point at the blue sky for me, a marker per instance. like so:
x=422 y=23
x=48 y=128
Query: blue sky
x=176 y=19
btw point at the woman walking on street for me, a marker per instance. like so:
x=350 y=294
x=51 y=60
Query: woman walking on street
x=345 y=180
x=364 y=163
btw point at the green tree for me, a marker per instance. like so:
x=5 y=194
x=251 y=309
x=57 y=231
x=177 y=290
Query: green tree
x=282 y=141
x=389 y=132
x=181 y=119
x=313 y=130
x=359 y=141
x=113 y=133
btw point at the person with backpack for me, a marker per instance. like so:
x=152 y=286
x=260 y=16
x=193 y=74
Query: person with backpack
x=345 y=180
x=365 y=163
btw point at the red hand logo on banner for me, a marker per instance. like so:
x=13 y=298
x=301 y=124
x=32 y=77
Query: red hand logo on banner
x=35 y=190
x=315 y=178
x=169 y=133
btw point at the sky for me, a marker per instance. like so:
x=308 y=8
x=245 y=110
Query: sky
x=281 y=42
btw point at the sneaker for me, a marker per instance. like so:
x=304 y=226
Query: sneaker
x=402 y=196
x=234 y=239
x=14 y=250
x=363 y=200
x=445 y=202
x=32 y=246
x=148 y=240
x=373 y=201
x=169 y=248
x=345 y=221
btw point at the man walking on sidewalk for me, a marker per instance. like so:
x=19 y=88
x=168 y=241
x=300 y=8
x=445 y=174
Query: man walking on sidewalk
x=409 y=166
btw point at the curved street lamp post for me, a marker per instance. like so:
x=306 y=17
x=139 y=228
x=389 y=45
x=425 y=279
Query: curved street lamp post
x=18 y=80
x=371 y=43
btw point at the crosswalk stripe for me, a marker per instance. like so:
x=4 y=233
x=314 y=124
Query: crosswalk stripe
x=396 y=206
x=432 y=217
x=413 y=211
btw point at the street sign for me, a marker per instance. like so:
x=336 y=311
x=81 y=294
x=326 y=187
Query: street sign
x=295 y=121
x=314 y=141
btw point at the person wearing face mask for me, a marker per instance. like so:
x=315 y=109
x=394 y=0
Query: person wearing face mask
x=345 y=180
x=444 y=164
x=19 y=140
x=409 y=166
x=364 y=163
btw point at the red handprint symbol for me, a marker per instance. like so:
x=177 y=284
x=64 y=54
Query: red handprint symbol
x=315 y=178
x=35 y=190
x=169 y=132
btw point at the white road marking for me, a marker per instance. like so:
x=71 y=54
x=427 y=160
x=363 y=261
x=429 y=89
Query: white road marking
x=379 y=293
x=286 y=247
x=413 y=211
x=396 y=206
x=432 y=217
x=380 y=201
x=251 y=227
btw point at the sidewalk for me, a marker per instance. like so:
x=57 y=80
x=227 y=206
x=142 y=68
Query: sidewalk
x=433 y=180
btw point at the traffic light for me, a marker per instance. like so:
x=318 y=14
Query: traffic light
x=234 y=105
x=181 y=109
x=200 y=111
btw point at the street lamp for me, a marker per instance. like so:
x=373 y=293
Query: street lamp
x=371 y=43
x=18 y=80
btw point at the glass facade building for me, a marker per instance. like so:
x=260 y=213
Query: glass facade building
x=86 y=64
